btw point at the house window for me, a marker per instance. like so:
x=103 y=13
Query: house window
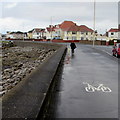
x=82 y=32
x=74 y=32
x=112 y=33
x=67 y=32
x=86 y=33
x=73 y=38
x=82 y=38
x=37 y=33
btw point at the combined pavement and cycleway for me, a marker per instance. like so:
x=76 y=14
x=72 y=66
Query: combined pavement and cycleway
x=88 y=87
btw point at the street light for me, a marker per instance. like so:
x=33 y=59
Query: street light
x=51 y=28
x=94 y=25
x=23 y=31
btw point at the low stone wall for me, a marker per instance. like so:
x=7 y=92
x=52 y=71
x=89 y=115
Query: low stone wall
x=37 y=44
x=26 y=99
x=97 y=42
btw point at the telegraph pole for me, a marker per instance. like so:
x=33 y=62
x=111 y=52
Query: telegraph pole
x=23 y=31
x=51 y=27
x=94 y=24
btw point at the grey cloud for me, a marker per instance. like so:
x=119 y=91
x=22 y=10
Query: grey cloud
x=40 y=13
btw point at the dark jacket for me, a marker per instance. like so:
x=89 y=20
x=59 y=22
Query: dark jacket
x=72 y=45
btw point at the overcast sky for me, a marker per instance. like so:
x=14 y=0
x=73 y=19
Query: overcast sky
x=25 y=16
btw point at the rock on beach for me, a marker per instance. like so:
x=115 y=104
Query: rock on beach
x=18 y=62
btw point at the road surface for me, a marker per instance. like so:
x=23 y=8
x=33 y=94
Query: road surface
x=107 y=49
x=88 y=87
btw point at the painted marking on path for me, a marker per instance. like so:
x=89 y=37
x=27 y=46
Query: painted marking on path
x=101 y=87
x=107 y=52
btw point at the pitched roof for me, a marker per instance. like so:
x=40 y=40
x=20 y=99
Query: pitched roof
x=49 y=29
x=113 y=30
x=69 y=26
x=39 y=30
x=74 y=28
x=30 y=31
x=81 y=28
x=84 y=28
x=66 y=24
x=11 y=32
x=18 y=32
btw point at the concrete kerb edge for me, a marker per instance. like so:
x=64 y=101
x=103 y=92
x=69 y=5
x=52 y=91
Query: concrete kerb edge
x=47 y=93
x=64 y=48
x=49 y=89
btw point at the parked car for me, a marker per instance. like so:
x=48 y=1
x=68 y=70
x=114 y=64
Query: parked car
x=116 y=50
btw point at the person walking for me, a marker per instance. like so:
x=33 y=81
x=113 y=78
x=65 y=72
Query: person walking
x=73 y=46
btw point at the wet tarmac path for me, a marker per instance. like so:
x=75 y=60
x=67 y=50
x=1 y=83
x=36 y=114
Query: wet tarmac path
x=88 y=87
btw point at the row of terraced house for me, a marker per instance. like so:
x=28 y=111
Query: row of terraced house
x=67 y=30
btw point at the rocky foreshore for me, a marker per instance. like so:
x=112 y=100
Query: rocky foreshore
x=18 y=62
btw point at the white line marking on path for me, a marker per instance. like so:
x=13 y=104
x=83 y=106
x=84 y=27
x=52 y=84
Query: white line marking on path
x=101 y=87
x=107 y=52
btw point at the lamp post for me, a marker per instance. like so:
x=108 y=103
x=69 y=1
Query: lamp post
x=51 y=28
x=23 y=32
x=119 y=21
x=94 y=25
